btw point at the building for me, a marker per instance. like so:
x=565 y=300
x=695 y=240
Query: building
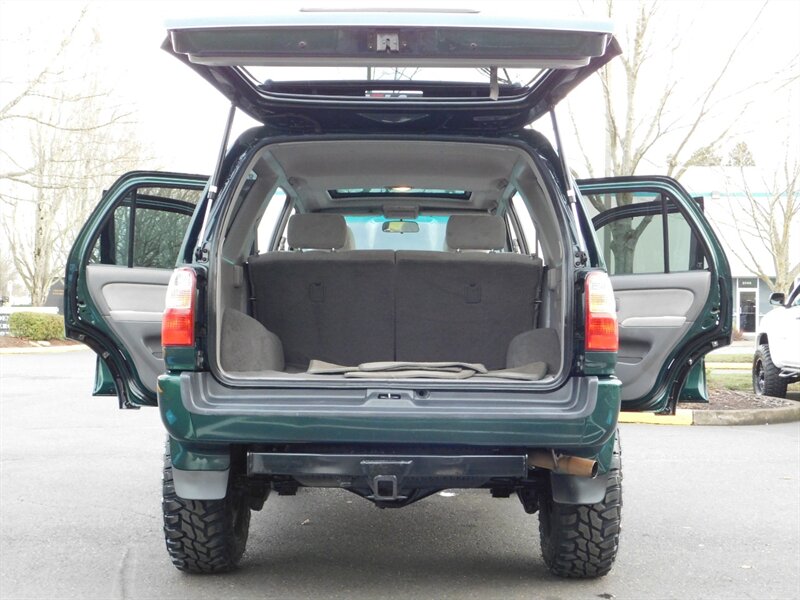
x=726 y=193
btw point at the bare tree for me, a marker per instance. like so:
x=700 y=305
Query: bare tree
x=639 y=117
x=77 y=140
x=764 y=222
x=740 y=156
x=642 y=120
x=5 y=272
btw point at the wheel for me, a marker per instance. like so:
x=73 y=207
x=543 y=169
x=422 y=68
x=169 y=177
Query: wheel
x=580 y=541
x=204 y=536
x=766 y=376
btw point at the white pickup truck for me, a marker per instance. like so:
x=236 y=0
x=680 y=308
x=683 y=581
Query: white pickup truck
x=776 y=362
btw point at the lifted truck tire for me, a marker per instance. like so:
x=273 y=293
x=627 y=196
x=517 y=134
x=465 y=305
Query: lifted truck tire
x=204 y=536
x=767 y=380
x=580 y=541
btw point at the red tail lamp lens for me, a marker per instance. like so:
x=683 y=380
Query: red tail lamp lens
x=601 y=314
x=177 y=326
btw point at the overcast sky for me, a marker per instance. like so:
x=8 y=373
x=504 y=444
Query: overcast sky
x=182 y=117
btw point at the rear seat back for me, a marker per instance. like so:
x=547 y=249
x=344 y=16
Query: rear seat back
x=350 y=307
x=465 y=307
x=336 y=306
x=466 y=304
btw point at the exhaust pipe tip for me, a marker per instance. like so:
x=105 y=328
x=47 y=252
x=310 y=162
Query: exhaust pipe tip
x=563 y=464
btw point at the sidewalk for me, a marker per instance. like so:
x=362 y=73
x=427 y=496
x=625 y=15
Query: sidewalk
x=737 y=347
x=747 y=416
x=44 y=349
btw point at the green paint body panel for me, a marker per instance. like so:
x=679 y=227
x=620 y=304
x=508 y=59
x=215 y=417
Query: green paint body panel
x=599 y=363
x=583 y=436
x=695 y=388
x=193 y=457
x=178 y=358
x=103 y=380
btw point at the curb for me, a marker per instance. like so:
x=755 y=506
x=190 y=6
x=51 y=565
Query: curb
x=752 y=416
x=44 y=349
x=685 y=416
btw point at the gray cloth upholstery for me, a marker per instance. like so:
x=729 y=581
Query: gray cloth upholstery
x=463 y=307
x=411 y=370
x=334 y=306
x=530 y=372
x=355 y=307
x=536 y=345
x=318 y=231
x=245 y=345
x=475 y=232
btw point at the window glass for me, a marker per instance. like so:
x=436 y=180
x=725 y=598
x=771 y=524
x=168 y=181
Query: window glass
x=642 y=232
x=122 y=219
x=526 y=223
x=270 y=219
x=146 y=228
x=368 y=233
x=157 y=237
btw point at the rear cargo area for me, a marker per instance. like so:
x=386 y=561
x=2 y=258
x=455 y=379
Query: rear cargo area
x=319 y=306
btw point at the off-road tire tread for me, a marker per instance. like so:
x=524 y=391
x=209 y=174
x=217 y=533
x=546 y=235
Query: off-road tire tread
x=201 y=535
x=774 y=384
x=580 y=541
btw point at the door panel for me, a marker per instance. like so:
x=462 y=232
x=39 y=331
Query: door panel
x=652 y=321
x=132 y=302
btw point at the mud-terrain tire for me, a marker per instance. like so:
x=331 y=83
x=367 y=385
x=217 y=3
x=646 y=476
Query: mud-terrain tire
x=580 y=541
x=766 y=376
x=204 y=536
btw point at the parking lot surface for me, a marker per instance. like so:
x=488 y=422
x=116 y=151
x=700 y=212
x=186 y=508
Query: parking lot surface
x=708 y=513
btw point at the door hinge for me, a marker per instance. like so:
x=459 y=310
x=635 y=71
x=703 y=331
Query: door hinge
x=581 y=258
x=201 y=253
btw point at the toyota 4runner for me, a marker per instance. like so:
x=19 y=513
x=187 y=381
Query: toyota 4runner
x=393 y=286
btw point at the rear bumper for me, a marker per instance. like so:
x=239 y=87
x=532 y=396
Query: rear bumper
x=206 y=418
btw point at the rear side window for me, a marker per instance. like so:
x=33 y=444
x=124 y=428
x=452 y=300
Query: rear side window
x=643 y=232
x=147 y=228
x=271 y=219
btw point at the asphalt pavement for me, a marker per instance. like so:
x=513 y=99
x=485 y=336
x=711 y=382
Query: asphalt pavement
x=708 y=513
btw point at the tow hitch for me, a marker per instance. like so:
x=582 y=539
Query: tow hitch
x=389 y=481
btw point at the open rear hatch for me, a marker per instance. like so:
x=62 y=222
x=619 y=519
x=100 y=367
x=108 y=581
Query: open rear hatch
x=393 y=70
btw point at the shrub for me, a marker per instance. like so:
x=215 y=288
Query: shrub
x=36 y=326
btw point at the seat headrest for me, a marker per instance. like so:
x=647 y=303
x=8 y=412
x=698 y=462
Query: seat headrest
x=318 y=231
x=475 y=232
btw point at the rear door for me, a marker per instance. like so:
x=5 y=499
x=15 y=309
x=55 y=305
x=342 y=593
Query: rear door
x=117 y=275
x=671 y=281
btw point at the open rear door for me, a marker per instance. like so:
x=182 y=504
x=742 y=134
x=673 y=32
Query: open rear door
x=117 y=276
x=671 y=282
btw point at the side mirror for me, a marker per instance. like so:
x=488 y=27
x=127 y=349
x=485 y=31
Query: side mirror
x=777 y=299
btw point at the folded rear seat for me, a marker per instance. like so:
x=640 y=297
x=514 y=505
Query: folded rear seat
x=467 y=304
x=322 y=300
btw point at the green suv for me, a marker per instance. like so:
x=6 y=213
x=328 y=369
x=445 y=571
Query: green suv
x=393 y=285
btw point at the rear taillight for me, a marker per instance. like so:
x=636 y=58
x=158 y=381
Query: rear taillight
x=177 y=326
x=601 y=314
